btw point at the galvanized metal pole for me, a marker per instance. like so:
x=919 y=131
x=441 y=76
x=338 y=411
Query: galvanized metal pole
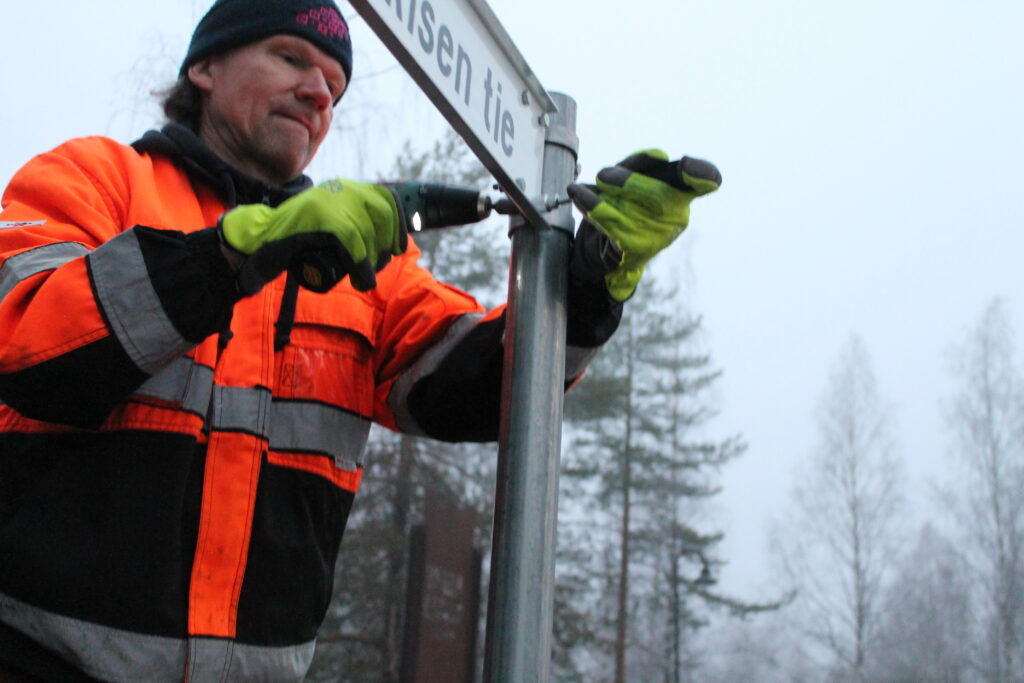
x=519 y=617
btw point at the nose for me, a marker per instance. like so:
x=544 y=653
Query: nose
x=314 y=89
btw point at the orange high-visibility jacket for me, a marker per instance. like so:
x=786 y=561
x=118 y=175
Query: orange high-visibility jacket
x=175 y=471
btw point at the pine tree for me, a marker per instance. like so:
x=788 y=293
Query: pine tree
x=636 y=470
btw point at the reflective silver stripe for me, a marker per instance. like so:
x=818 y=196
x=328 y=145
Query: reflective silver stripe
x=292 y=426
x=116 y=655
x=132 y=305
x=398 y=399
x=100 y=651
x=241 y=409
x=318 y=428
x=28 y=263
x=184 y=382
x=576 y=360
x=224 y=661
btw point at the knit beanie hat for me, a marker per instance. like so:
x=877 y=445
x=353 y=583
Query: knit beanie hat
x=233 y=23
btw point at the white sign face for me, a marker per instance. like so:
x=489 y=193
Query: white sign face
x=462 y=58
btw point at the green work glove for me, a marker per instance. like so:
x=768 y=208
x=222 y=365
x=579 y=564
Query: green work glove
x=338 y=228
x=642 y=204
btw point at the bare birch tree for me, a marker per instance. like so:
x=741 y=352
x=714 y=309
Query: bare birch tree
x=987 y=420
x=838 y=538
x=925 y=631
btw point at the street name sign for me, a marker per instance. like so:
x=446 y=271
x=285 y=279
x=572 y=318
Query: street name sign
x=463 y=59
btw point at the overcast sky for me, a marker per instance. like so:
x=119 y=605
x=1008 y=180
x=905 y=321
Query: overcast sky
x=871 y=154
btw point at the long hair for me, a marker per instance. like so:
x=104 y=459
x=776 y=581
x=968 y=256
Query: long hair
x=182 y=102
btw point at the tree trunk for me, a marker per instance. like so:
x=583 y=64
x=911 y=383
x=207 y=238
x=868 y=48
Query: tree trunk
x=623 y=596
x=396 y=561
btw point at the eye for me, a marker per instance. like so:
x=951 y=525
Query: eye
x=335 y=79
x=293 y=59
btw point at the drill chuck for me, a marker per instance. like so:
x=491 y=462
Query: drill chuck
x=429 y=206
x=432 y=205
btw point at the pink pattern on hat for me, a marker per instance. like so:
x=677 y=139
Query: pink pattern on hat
x=324 y=19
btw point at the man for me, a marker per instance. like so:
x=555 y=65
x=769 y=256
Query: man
x=181 y=421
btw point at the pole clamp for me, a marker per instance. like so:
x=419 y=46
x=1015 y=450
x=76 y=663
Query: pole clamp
x=564 y=137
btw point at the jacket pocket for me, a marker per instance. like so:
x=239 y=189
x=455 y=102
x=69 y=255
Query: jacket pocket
x=329 y=359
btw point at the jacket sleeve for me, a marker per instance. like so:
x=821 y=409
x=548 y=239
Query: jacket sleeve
x=446 y=383
x=90 y=306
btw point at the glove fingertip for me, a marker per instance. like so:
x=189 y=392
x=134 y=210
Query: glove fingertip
x=614 y=175
x=362 y=276
x=585 y=198
x=700 y=174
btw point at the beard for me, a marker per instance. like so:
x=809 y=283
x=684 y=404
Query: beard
x=280 y=147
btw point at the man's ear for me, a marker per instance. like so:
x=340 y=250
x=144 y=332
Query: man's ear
x=201 y=74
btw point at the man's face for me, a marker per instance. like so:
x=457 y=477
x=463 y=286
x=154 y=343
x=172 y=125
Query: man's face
x=268 y=105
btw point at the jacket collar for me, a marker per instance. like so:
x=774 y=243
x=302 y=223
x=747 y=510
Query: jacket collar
x=181 y=145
